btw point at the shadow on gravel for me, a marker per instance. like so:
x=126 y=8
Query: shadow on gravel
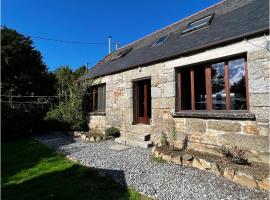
x=76 y=182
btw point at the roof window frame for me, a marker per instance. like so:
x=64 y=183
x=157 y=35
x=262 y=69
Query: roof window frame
x=156 y=43
x=121 y=54
x=190 y=27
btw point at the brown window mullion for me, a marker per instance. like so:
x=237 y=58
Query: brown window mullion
x=208 y=82
x=227 y=86
x=192 y=89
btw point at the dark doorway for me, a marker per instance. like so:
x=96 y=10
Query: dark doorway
x=142 y=102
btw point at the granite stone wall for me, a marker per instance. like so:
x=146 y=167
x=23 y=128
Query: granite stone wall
x=203 y=134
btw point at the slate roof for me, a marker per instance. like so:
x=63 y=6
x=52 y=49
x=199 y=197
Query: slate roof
x=233 y=20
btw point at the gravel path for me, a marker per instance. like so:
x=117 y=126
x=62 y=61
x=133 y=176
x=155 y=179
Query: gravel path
x=163 y=181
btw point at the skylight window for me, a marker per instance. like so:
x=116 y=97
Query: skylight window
x=198 y=24
x=160 y=40
x=120 y=54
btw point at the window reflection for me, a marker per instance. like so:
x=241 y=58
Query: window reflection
x=237 y=84
x=200 y=88
x=218 y=86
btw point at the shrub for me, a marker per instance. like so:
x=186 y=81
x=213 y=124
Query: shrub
x=68 y=115
x=235 y=154
x=113 y=132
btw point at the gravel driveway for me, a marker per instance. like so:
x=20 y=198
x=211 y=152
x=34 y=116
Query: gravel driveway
x=159 y=180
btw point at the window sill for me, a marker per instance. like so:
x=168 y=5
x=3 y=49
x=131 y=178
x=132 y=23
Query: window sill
x=97 y=114
x=215 y=115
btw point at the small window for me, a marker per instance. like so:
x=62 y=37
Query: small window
x=120 y=54
x=97 y=98
x=198 y=24
x=160 y=40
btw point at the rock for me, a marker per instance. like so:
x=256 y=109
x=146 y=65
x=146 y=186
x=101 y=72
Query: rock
x=251 y=129
x=195 y=126
x=181 y=140
x=119 y=147
x=258 y=156
x=244 y=179
x=92 y=139
x=169 y=90
x=196 y=163
x=87 y=139
x=187 y=157
x=153 y=150
x=156 y=154
x=156 y=92
x=177 y=160
x=253 y=158
x=77 y=133
x=228 y=173
x=264 y=157
x=167 y=158
x=265 y=184
x=83 y=136
x=225 y=126
x=160 y=155
x=205 y=164
x=214 y=169
x=98 y=139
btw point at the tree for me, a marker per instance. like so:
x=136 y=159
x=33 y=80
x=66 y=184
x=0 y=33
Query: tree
x=70 y=113
x=23 y=71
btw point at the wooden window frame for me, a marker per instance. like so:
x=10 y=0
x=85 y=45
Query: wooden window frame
x=208 y=83
x=93 y=94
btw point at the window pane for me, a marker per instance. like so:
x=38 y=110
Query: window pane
x=237 y=84
x=200 y=88
x=95 y=103
x=101 y=98
x=218 y=86
x=201 y=22
x=185 y=90
x=160 y=40
x=97 y=98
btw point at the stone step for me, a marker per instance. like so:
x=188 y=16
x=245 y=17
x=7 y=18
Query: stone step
x=137 y=143
x=140 y=128
x=136 y=136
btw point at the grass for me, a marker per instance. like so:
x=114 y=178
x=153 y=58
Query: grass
x=31 y=170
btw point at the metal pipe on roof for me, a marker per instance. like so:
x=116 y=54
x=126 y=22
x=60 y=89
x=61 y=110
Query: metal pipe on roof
x=110 y=38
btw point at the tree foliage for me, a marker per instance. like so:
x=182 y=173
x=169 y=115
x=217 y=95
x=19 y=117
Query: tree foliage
x=70 y=113
x=23 y=73
x=23 y=70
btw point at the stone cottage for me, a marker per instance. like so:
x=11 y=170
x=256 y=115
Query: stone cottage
x=205 y=77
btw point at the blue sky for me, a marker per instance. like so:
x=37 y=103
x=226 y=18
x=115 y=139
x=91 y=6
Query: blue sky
x=91 y=21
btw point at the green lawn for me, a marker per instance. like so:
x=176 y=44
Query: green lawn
x=31 y=170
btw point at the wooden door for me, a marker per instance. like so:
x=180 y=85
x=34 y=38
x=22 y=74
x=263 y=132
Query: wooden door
x=142 y=102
